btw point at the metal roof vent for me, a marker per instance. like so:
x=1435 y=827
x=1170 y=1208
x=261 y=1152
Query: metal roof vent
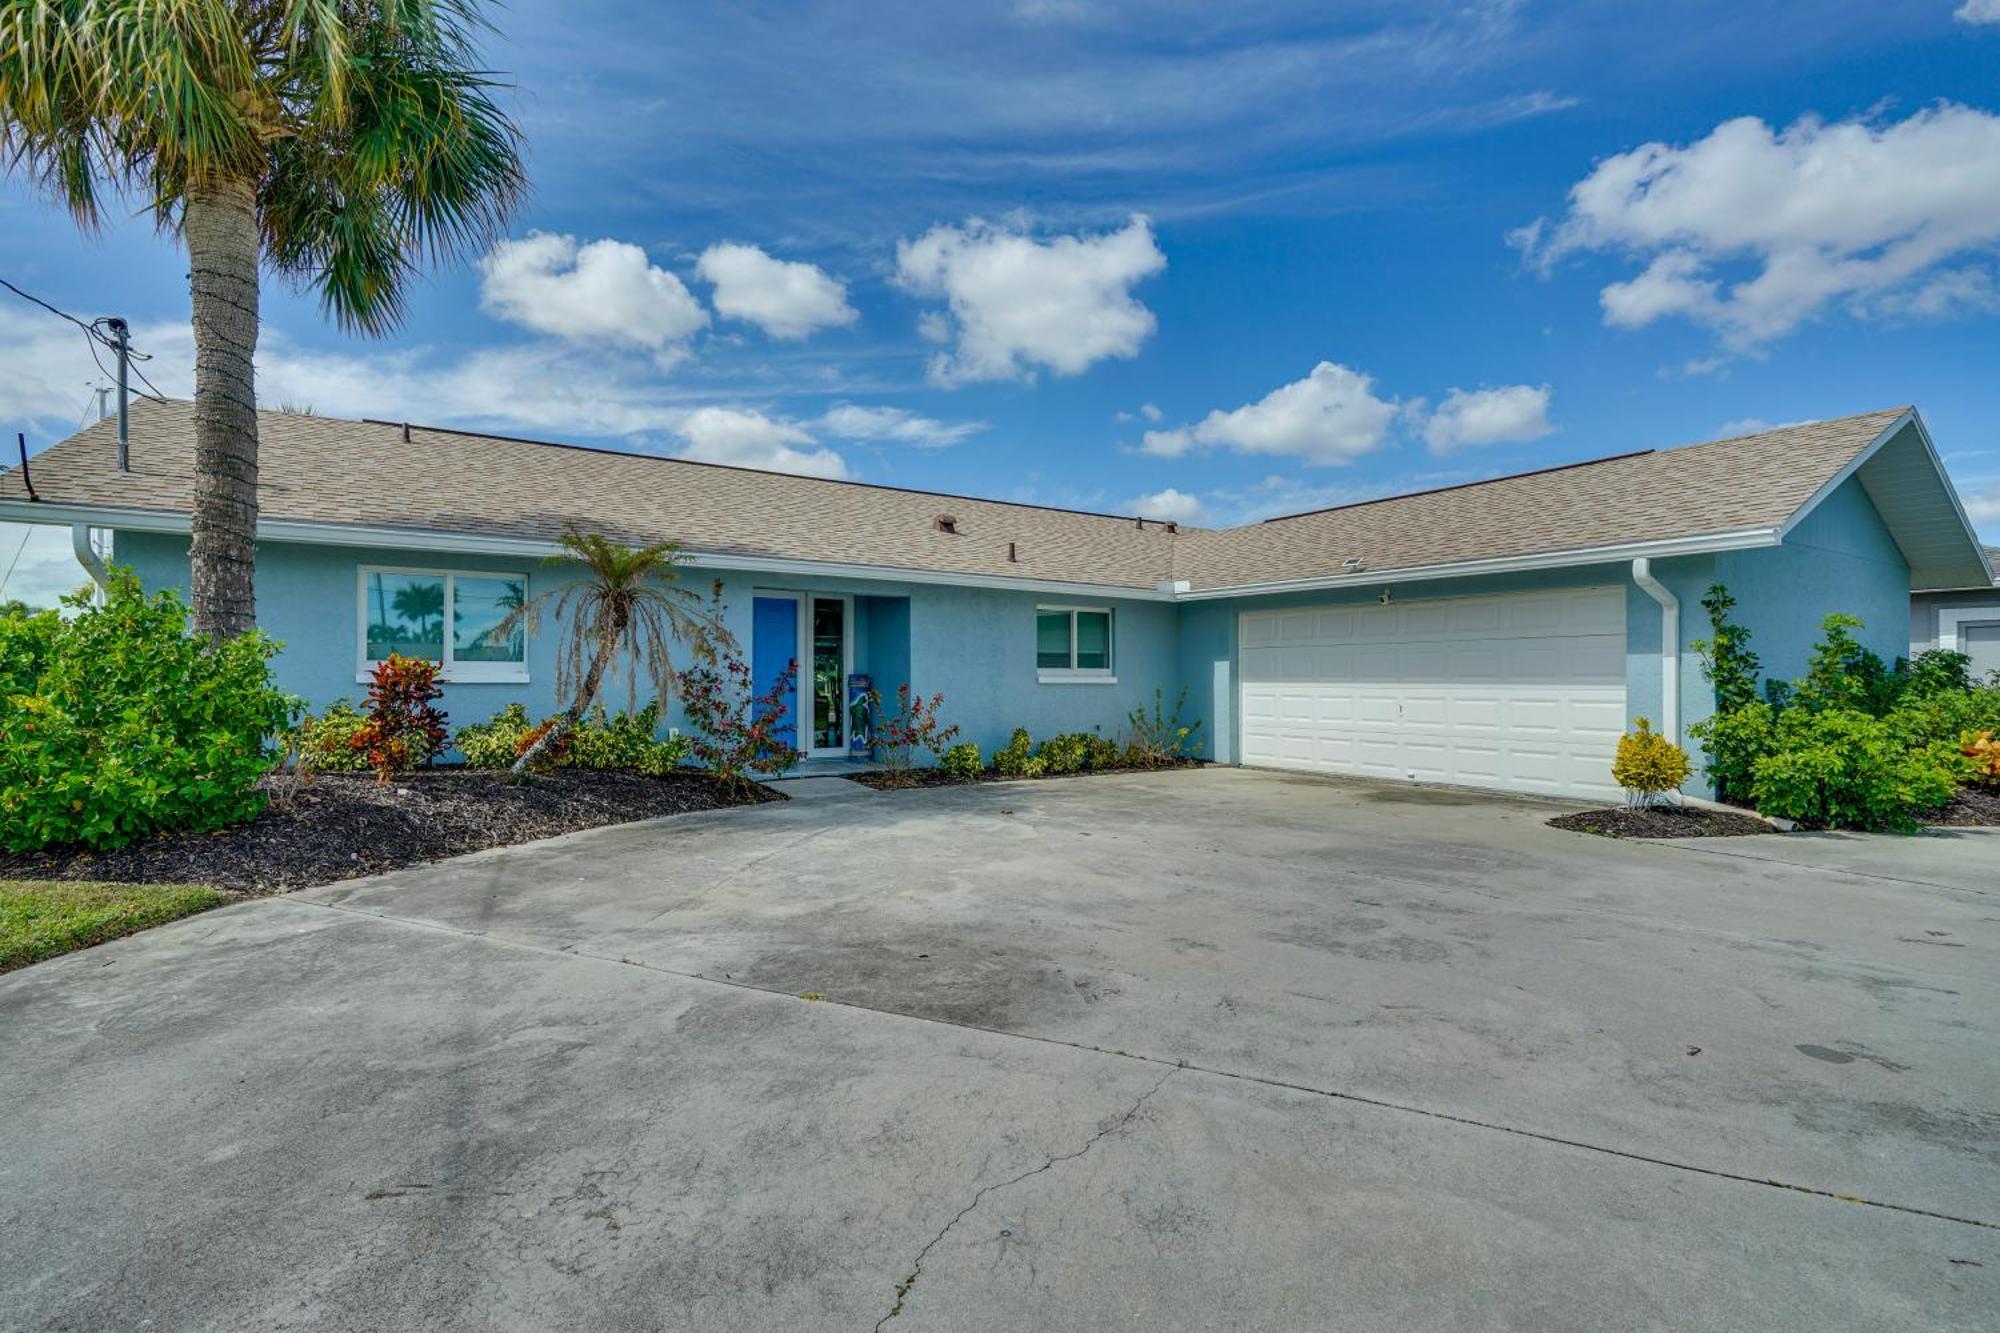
x=946 y=523
x=1353 y=564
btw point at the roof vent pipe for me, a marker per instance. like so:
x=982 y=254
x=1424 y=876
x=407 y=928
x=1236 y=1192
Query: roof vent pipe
x=1670 y=647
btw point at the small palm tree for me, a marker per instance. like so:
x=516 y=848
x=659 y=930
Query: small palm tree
x=337 y=140
x=628 y=602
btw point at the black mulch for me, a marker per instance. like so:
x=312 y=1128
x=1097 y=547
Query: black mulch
x=1662 y=821
x=338 y=826
x=935 y=777
x=1973 y=807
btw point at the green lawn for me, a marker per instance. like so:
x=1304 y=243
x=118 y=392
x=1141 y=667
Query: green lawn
x=42 y=918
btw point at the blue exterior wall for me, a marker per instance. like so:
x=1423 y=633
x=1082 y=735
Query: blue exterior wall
x=1840 y=558
x=975 y=645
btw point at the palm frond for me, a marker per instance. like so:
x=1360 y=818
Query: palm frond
x=373 y=138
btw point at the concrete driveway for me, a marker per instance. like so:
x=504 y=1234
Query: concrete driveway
x=1204 y=1050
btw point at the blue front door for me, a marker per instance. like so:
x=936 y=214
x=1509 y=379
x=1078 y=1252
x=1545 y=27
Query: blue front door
x=774 y=645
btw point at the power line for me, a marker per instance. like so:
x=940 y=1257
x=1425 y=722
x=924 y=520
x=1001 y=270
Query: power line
x=90 y=330
x=28 y=531
x=95 y=337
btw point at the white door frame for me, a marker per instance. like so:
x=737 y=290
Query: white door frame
x=802 y=722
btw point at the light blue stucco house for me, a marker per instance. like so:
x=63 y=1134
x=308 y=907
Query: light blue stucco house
x=1499 y=634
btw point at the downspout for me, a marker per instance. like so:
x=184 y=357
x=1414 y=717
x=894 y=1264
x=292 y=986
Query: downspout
x=1670 y=647
x=86 y=554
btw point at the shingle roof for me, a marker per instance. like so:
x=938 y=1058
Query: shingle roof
x=1752 y=481
x=328 y=470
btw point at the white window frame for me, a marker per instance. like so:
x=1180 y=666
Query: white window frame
x=450 y=670
x=1074 y=674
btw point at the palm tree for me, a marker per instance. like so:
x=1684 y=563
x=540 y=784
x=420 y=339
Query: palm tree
x=628 y=601
x=338 y=140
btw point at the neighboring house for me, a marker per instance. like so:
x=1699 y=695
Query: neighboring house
x=1962 y=619
x=1498 y=634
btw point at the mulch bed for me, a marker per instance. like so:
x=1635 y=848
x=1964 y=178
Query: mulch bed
x=338 y=826
x=1973 y=807
x=1662 y=821
x=933 y=777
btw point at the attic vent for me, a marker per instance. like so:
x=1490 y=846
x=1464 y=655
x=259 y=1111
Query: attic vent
x=946 y=523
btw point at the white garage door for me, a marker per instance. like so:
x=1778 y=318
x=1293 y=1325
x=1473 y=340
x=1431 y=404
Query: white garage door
x=1522 y=691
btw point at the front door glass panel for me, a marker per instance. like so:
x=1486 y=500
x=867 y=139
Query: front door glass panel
x=829 y=674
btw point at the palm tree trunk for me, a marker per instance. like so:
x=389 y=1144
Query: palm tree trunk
x=223 y=245
x=593 y=679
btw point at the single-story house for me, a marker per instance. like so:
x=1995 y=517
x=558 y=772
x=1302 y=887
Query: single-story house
x=1499 y=634
x=1964 y=620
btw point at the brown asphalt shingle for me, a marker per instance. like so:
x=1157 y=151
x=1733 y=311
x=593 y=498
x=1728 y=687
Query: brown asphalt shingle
x=335 y=471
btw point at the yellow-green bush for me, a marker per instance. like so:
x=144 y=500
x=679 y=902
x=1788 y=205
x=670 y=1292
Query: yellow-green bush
x=1648 y=764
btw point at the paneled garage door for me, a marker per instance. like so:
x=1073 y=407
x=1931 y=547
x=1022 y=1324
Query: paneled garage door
x=1521 y=691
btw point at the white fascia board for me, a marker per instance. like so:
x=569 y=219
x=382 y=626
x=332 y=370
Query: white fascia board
x=1909 y=418
x=1839 y=479
x=427 y=539
x=1740 y=540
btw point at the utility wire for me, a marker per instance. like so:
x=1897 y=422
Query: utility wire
x=89 y=330
x=94 y=333
x=28 y=530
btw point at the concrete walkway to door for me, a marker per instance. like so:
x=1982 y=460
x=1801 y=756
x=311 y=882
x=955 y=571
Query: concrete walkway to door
x=1195 y=1050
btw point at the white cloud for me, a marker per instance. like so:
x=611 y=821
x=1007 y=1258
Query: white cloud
x=1471 y=418
x=1978 y=11
x=1152 y=413
x=852 y=421
x=1750 y=231
x=37 y=564
x=1730 y=430
x=744 y=438
x=1170 y=505
x=601 y=292
x=1331 y=416
x=784 y=298
x=1017 y=303
x=1982 y=506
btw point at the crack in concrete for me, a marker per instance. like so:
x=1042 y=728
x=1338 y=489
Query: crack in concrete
x=904 y=1287
x=1175 y=1065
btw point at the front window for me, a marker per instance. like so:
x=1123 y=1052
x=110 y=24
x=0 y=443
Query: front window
x=1073 y=643
x=407 y=611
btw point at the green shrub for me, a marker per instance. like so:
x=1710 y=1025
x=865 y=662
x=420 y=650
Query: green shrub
x=623 y=740
x=1733 y=743
x=1101 y=752
x=495 y=742
x=1648 y=764
x=1065 y=753
x=1160 y=739
x=116 y=723
x=1727 y=661
x=1842 y=674
x=1841 y=768
x=1933 y=672
x=1013 y=759
x=326 y=743
x=962 y=760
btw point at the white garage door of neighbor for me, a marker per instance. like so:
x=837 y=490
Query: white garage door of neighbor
x=1520 y=691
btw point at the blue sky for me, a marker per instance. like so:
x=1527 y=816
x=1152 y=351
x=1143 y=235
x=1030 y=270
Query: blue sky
x=1211 y=262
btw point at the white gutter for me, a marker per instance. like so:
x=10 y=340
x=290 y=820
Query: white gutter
x=1670 y=647
x=86 y=554
x=1739 y=540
